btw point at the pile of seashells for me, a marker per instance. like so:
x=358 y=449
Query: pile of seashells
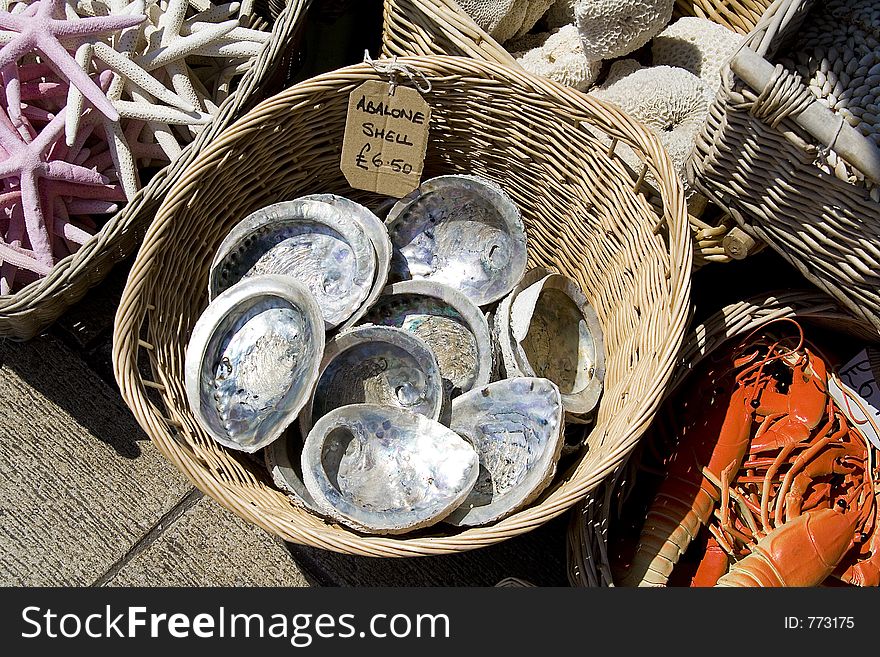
x=358 y=355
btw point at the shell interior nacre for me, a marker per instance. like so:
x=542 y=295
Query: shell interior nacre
x=317 y=243
x=252 y=360
x=509 y=358
x=462 y=231
x=376 y=365
x=557 y=336
x=516 y=426
x=546 y=327
x=377 y=233
x=384 y=470
x=448 y=322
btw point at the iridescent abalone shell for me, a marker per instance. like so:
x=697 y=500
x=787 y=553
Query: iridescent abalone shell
x=450 y=324
x=516 y=426
x=376 y=365
x=462 y=231
x=319 y=244
x=384 y=470
x=252 y=360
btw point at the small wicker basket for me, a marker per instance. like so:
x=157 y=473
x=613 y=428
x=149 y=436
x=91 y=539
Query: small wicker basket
x=441 y=27
x=755 y=159
x=588 y=560
x=583 y=216
x=36 y=306
x=738 y=15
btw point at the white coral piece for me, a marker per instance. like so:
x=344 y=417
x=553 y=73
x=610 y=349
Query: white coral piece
x=697 y=45
x=557 y=55
x=614 y=28
x=505 y=19
x=671 y=101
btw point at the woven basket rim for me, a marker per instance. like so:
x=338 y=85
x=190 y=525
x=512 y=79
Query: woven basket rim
x=132 y=313
x=722 y=11
x=38 y=296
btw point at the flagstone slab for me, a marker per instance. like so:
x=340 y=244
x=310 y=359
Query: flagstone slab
x=80 y=481
x=211 y=546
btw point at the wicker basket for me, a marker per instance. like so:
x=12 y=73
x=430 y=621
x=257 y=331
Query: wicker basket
x=437 y=27
x=755 y=159
x=441 y=27
x=738 y=15
x=33 y=308
x=583 y=218
x=587 y=546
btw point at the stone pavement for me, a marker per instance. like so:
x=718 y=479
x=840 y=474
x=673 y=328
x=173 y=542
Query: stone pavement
x=85 y=498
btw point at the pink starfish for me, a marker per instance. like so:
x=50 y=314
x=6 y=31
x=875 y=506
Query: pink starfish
x=28 y=162
x=43 y=32
x=14 y=258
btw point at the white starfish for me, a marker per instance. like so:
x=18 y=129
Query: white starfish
x=75 y=98
x=161 y=132
x=126 y=42
x=125 y=67
x=145 y=90
x=178 y=47
x=170 y=25
x=212 y=14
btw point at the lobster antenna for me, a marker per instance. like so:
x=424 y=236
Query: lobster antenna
x=778 y=320
x=772 y=348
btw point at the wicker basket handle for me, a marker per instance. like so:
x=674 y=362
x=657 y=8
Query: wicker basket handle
x=777 y=18
x=820 y=122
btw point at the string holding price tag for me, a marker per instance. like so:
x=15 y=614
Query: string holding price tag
x=386 y=135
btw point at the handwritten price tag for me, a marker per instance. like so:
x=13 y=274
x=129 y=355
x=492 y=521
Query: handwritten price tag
x=386 y=138
x=859 y=390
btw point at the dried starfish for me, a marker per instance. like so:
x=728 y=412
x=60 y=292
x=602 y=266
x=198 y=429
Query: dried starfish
x=177 y=46
x=28 y=163
x=126 y=43
x=162 y=74
x=145 y=91
x=11 y=76
x=44 y=33
x=212 y=14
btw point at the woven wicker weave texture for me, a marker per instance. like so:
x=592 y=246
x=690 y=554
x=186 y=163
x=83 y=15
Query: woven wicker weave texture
x=441 y=27
x=26 y=313
x=764 y=174
x=738 y=15
x=588 y=559
x=583 y=218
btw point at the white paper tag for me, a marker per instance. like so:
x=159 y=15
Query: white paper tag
x=862 y=391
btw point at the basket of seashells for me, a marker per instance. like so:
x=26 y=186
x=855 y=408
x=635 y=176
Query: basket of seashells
x=112 y=100
x=604 y=528
x=414 y=375
x=615 y=50
x=791 y=146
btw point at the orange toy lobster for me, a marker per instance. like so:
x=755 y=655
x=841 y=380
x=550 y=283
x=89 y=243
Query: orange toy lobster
x=802 y=552
x=794 y=500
